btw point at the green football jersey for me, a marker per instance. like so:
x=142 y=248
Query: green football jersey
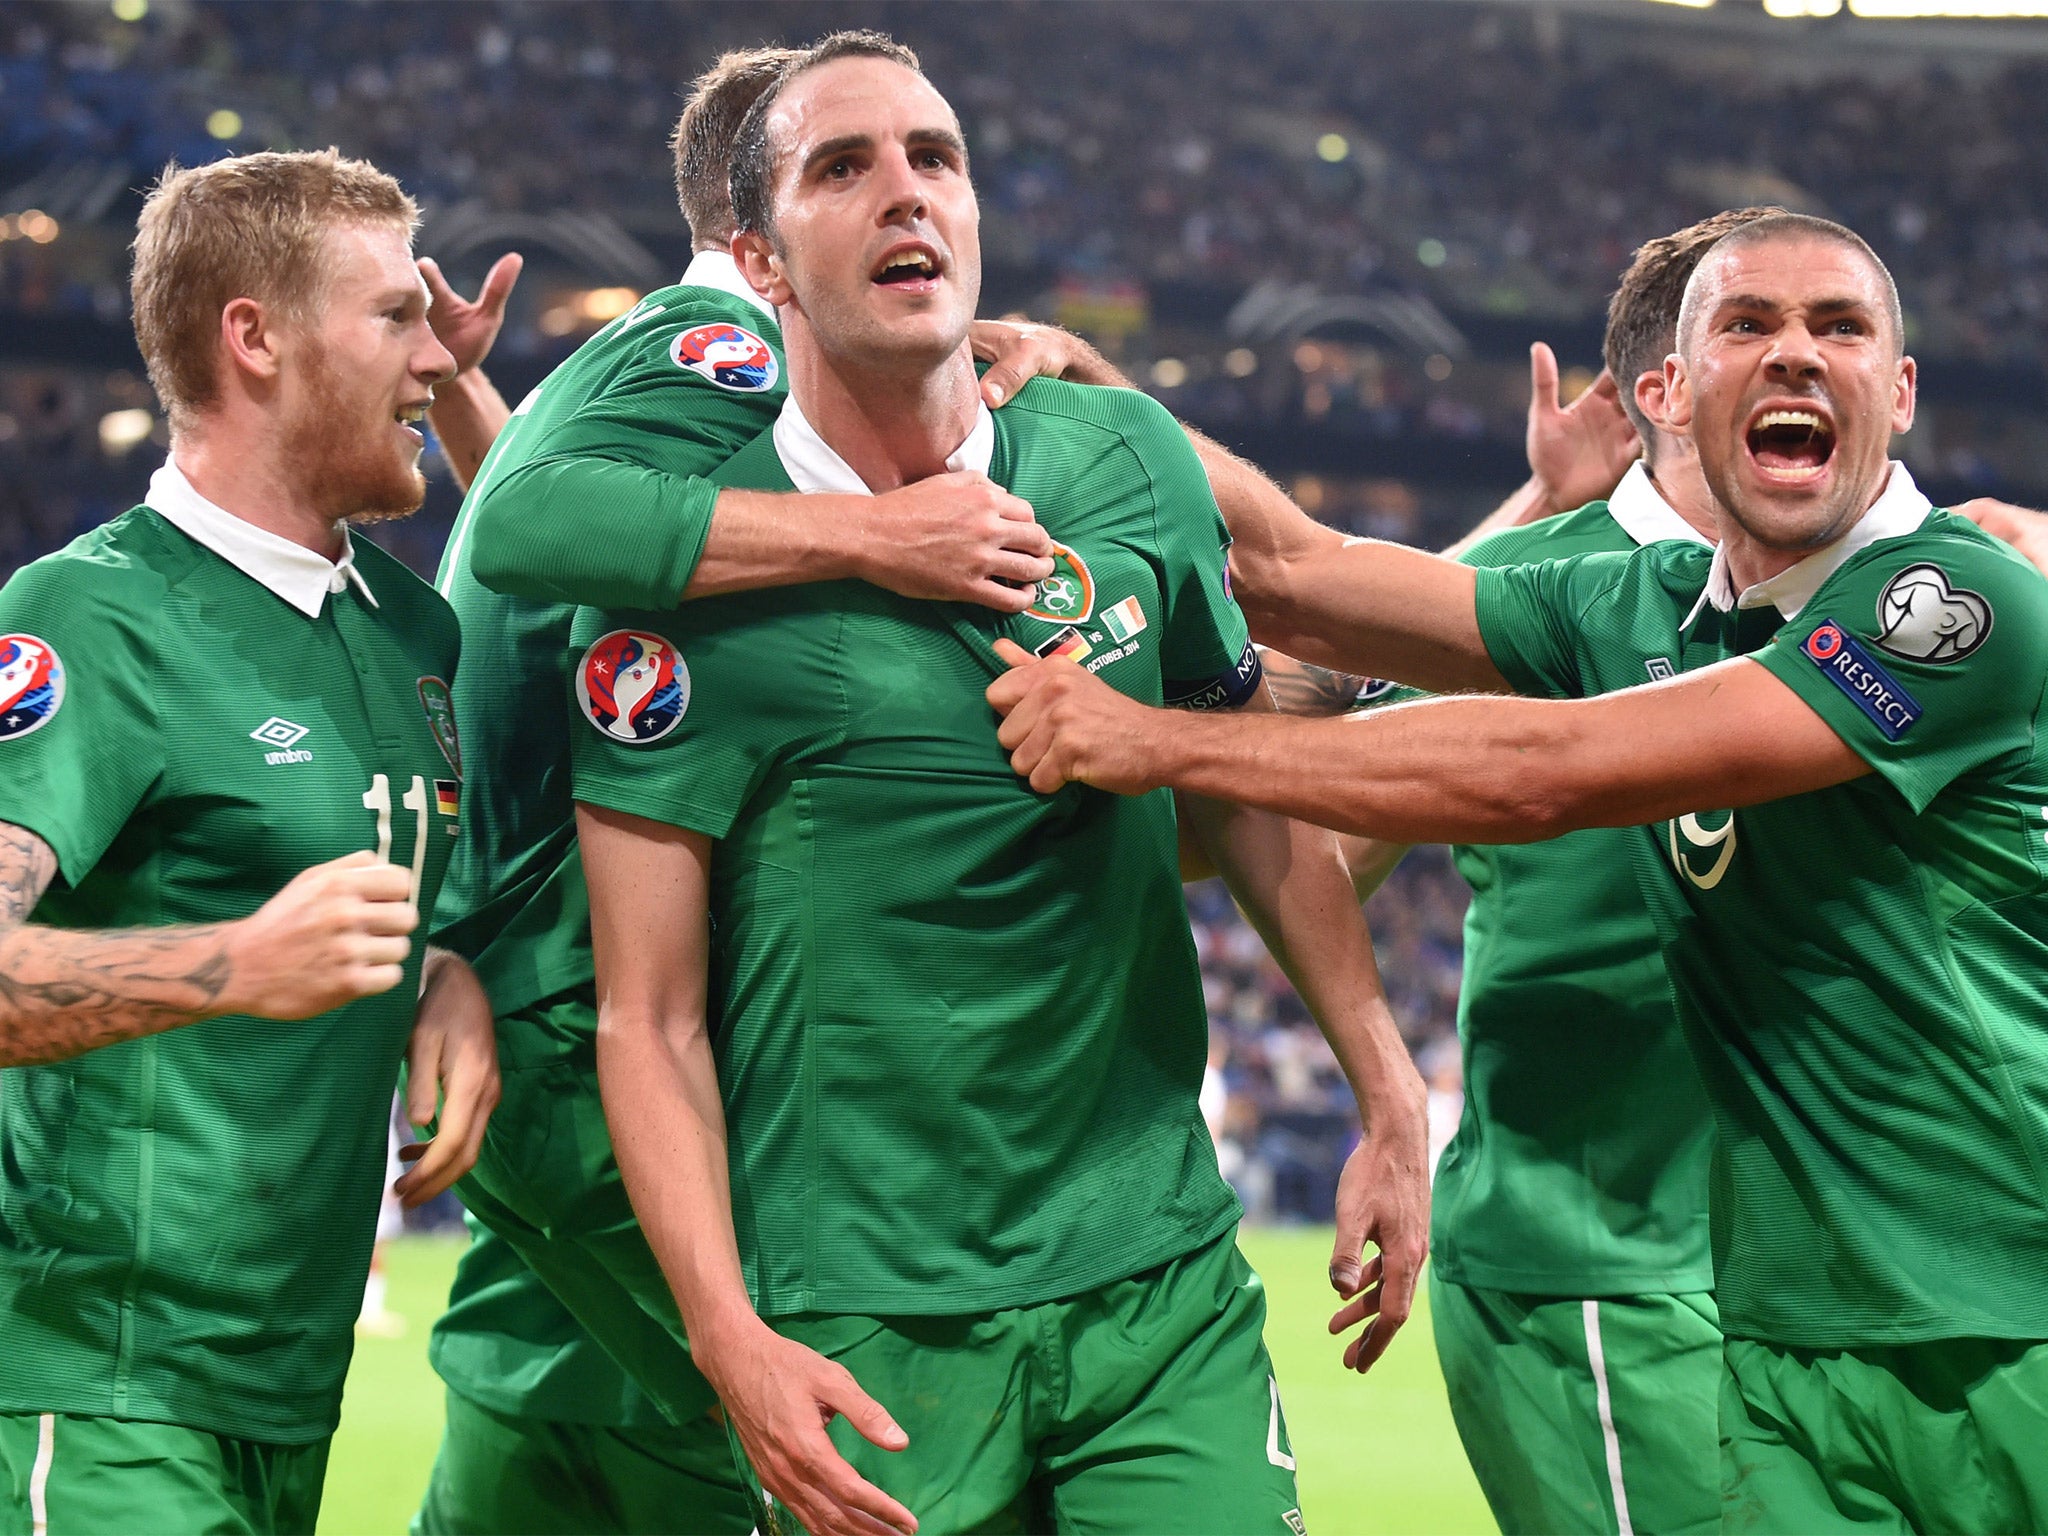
x=186 y=1219
x=961 y=1023
x=1580 y=1163
x=594 y=492
x=507 y=1343
x=1862 y=971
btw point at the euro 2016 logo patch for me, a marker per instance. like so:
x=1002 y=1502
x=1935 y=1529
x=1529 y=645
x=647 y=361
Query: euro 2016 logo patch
x=1067 y=596
x=1926 y=619
x=633 y=686
x=730 y=356
x=31 y=685
x=1851 y=668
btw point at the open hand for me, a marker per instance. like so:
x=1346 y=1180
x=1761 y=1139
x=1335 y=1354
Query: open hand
x=780 y=1396
x=1382 y=1197
x=452 y=1073
x=468 y=329
x=1578 y=452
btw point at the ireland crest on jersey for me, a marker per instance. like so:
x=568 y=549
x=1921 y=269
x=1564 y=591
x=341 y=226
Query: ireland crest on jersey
x=440 y=710
x=1067 y=596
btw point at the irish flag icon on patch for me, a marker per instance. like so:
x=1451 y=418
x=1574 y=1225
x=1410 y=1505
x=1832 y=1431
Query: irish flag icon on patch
x=1124 y=620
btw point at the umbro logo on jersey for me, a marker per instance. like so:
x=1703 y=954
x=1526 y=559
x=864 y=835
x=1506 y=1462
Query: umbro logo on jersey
x=1659 y=668
x=31 y=685
x=283 y=737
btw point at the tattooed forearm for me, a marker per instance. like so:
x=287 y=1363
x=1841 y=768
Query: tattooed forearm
x=64 y=991
x=1301 y=688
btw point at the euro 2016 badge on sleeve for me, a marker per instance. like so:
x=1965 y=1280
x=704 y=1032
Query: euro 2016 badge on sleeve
x=31 y=685
x=1067 y=596
x=730 y=356
x=632 y=686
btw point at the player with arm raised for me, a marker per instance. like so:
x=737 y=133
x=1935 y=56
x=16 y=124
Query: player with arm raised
x=218 y=694
x=965 y=1142
x=1856 y=948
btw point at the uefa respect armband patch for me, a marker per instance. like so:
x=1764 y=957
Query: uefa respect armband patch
x=1845 y=663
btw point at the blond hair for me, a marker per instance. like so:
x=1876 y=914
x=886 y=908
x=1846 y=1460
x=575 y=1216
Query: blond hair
x=252 y=227
x=703 y=140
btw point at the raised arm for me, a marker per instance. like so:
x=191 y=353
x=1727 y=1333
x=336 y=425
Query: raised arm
x=1290 y=880
x=1445 y=770
x=650 y=923
x=468 y=413
x=336 y=933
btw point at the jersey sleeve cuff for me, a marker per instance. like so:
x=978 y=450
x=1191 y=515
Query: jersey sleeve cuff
x=653 y=804
x=1493 y=605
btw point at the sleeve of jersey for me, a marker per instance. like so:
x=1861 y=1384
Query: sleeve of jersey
x=1207 y=659
x=79 y=742
x=611 y=507
x=679 y=722
x=1529 y=623
x=1928 y=663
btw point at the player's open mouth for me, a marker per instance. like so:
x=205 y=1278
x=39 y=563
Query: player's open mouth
x=1791 y=444
x=410 y=417
x=914 y=268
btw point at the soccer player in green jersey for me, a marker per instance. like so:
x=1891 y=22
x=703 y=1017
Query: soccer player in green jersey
x=228 y=782
x=599 y=489
x=1572 y=1282
x=1856 y=947
x=961 y=1028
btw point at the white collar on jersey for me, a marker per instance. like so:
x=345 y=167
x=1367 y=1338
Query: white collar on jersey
x=295 y=573
x=1899 y=509
x=1643 y=513
x=715 y=269
x=812 y=464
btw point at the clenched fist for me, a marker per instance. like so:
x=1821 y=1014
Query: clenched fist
x=338 y=932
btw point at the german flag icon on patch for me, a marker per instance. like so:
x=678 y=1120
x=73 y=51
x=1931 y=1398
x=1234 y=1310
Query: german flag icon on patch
x=448 y=796
x=1069 y=643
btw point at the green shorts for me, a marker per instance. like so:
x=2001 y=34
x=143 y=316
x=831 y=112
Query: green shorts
x=1585 y=1416
x=547 y=1183
x=67 y=1476
x=1944 y=1436
x=1145 y=1406
x=503 y=1475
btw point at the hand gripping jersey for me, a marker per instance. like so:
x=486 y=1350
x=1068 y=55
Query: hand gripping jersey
x=1862 y=971
x=594 y=492
x=1580 y=1163
x=962 y=1023
x=186 y=1219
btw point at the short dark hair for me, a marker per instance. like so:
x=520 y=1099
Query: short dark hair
x=753 y=157
x=704 y=136
x=1642 y=316
x=1782 y=225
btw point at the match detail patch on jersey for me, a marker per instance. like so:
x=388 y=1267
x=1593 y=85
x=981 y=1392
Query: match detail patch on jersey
x=1067 y=596
x=1927 y=619
x=440 y=707
x=634 y=687
x=1068 y=645
x=1859 y=675
x=31 y=685
x=730 y=356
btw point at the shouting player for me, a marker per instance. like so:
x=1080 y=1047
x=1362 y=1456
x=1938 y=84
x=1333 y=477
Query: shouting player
x=947 y=1151
x=1857 y=947
x=226 y=695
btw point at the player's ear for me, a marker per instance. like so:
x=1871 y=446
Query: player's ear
x=761 y=267
x=1652 y=399
x=249 y=335
x=1905 y=395
x=1675 y=408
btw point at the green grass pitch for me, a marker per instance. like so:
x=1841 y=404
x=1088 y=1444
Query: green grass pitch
x=1376 y=1453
